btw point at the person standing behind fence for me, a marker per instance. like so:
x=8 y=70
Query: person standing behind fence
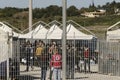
x=28 y=53
x=86 y=59
x=44 y=63
x=52 y=49
x=38 y=53
x=70 y=62
x=56 y=64
x=51 y=52
x=32 y=56
x=38 y=50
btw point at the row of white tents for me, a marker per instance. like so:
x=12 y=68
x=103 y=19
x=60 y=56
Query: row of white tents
x=54 y=32
x=72 y=33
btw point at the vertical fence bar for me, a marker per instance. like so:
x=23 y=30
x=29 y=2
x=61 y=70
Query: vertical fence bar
x=119 y=59
x=98 y=48
x=74 y=54
x=8 y=48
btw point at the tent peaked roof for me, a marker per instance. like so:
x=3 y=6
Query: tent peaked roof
x=80 y=27
x=112 y=35
x=72 y=29
x=40 y=33
x=73 y=33
x=34 y=26
x=54 y=32
x=6 y=28
x=12 y=27
x=113 y=25
x=27 y=35
x=116 y=32
x=54 y=22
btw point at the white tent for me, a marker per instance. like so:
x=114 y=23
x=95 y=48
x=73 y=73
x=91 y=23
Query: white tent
x=3 y=45
x=8 y=30
x=38 y=33
x=112 y=35
x=26 y=36
x=54 y=32
x=113 y=32
x=73 y=33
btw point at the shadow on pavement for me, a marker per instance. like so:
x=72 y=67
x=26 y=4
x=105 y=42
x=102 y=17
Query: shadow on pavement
x=27 y=77
x=31 y=70
x=78 y=78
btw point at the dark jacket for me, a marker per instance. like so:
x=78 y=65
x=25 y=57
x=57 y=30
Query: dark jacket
x=44 y=59
x=70 y=57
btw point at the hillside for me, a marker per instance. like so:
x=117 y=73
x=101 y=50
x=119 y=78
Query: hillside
x=96 y=25
x=98 y=30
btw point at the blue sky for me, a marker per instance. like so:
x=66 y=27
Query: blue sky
x=45 y=3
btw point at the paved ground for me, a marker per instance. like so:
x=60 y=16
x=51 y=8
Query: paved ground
x=35 y=75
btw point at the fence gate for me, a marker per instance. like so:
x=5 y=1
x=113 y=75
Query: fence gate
x=109 y=58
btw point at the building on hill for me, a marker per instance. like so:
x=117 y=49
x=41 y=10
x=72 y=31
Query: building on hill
x=94 y=14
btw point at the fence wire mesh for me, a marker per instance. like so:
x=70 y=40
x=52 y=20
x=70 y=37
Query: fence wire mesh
x=109 y=58
x=38 y=59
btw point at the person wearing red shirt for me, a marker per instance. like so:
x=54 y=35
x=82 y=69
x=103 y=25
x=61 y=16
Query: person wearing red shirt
x=86 y=59
x=56 y=64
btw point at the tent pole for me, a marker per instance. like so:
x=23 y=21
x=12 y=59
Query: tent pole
x=30 y=15
x=30 y=19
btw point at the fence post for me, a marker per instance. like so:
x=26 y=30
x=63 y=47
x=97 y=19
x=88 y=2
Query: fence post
x=64 y=40
x=8 y=48
x=98 y=49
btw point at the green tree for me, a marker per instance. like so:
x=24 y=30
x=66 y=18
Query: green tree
x=53 y=10
x=72 y=11
x=9 y=11
x=38 y=13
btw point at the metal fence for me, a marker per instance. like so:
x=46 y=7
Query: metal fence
x=33 y=60
x=26 y=61
x=109 y=58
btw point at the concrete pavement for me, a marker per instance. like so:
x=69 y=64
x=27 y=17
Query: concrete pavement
x=35 y=75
